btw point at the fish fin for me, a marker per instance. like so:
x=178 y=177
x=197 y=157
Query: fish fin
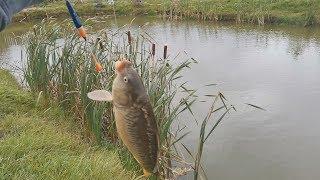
x=100 y=95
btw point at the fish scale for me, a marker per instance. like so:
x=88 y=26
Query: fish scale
x=138 y=142
x=135 y=120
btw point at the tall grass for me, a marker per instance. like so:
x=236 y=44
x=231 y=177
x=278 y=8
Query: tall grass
x=299 y=12
x=296 y=12
x=60 y=70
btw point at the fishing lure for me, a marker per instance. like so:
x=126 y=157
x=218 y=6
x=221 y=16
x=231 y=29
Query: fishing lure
x=97 y=64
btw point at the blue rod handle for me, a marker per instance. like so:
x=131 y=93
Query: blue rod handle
x=73 y=14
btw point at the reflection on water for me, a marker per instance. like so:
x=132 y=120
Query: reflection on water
x=275 y=67
x=11 y=48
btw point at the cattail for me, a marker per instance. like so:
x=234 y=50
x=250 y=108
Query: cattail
x=153 y=49
x=165 y=51
x=34 y=30
x=100 y=43
x=129 y=37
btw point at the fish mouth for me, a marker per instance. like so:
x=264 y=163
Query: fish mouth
x=120 y=65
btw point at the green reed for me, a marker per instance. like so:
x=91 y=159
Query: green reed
x=259 y=12
x=60 y=70
x=295 y=12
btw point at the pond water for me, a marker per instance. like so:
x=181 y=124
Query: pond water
x=277 y=68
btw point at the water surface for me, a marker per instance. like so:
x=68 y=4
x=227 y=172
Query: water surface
x=277 y=68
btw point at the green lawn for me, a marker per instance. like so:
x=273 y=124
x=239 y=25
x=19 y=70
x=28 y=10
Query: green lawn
x=39 y=144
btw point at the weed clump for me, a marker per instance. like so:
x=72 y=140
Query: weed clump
x=12 y=99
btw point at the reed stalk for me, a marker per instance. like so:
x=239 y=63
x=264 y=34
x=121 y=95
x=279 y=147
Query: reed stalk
x=59 y=65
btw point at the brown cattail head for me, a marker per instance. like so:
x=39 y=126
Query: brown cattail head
x=153 y=49
x=165 y=52
x=100 y=43
x=34 y=30
x=129 y=37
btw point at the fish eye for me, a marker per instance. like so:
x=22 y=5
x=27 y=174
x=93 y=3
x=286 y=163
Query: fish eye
x=125 y=79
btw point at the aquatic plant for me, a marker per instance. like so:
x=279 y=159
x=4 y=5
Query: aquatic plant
x=60 y=70
x=296 y=12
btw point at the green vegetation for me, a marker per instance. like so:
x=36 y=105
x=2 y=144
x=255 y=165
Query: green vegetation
x=64 y=74
x=37 y=143
x=12 y=99
x=61 y=71
x=295 y=12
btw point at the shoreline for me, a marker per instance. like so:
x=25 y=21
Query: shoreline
x=33 y=136
x=297 y=14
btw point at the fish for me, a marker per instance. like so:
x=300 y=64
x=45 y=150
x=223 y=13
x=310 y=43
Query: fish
x=134 y=116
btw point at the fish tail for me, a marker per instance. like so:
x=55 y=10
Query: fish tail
x=146 y=173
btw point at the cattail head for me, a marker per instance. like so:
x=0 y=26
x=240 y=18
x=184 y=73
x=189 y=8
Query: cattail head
x=165 y=52
x=153 y=49
x=129 y=37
